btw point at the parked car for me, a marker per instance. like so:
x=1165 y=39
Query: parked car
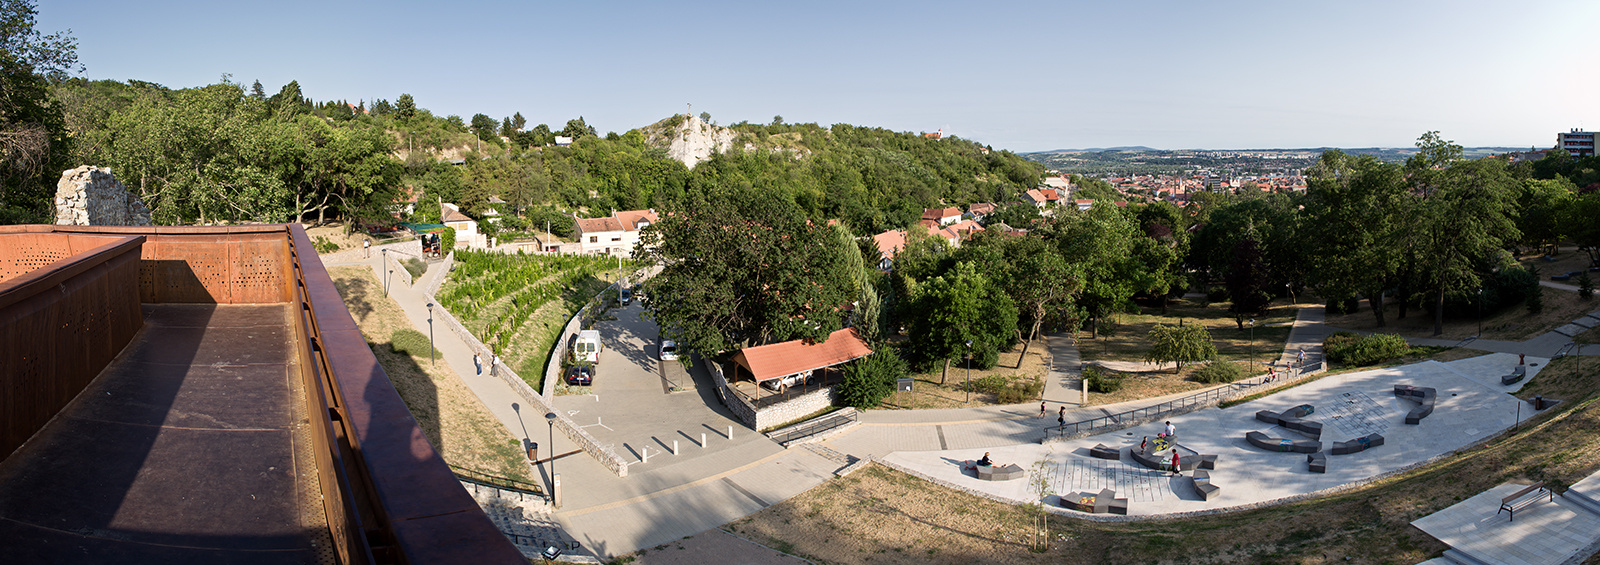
x=786 y=381
x=580 y=375
x=669 y=350
x=627 y=297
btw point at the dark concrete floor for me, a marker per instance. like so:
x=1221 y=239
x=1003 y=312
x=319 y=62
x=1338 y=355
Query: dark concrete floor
x=190 y=447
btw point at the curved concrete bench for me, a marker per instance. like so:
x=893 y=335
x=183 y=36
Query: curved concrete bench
x=1153 y=459
x=1317 y=462
x=1101 y=451
x=1270 y=443
x=1201 y=481
x=1516 y=375
x=1357 y=445
x=1291 y=419
x=1105 y=502
x=1001 y=472
x=1423 y=396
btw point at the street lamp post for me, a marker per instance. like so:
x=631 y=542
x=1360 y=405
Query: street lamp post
x=387 y=273
x=550 y=461
x=1252 y=344
x=431 y=349
x=968 y=378
x=1480 y=312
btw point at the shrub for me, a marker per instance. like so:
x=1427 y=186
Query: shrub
x=1535 y=300
x=985 y=358
x=1585 y=286
x=324 y=245
x=1021 y=391
x=416 y=267
x=447 y=240
x=1217 y=294
x=1102 y=381
x=1218 y=372
x=869 y=379
x=410 y=342
x=1350 y=349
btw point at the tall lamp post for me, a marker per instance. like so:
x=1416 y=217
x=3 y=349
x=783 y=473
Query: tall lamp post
x=431 y=349
x=550 y=462
x=387 y=272
x=968 y=378
x=1480 y=312
x=1252 y=345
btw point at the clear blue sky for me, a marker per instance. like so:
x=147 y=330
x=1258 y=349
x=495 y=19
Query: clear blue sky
x=1024 y=76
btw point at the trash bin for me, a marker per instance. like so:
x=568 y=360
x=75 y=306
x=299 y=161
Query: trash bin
x=533 y=451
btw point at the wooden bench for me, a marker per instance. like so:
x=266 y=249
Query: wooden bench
x=1517 y=500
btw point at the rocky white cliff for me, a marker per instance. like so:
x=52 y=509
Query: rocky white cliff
x=691 y=140
x=90 y=196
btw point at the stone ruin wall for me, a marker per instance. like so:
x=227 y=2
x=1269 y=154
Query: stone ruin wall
x=91 y=196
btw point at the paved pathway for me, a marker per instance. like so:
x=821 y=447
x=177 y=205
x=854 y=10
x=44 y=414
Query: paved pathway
x=1063 y=385
x=681 y=495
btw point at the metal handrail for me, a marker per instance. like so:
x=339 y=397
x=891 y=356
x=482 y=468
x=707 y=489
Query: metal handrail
x=497 y=481
x=816 y=426
x=1207 y=397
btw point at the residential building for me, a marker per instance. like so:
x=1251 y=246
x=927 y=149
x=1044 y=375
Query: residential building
x=1042 y=197
x=942 y=216
x=892 y=241
x=980 y=210
x=615 y=234
x=1577 y=142
x=467 y=234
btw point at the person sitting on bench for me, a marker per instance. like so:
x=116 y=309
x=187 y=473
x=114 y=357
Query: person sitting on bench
x=985 y=462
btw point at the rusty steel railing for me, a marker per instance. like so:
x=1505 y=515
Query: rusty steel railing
x=387 y=495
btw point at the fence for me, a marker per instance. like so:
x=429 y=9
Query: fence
x=1209 y=397
x=815 y=426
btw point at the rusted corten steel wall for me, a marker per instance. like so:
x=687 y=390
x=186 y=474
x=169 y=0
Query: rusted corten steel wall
x=389 y=497
x=68 y=305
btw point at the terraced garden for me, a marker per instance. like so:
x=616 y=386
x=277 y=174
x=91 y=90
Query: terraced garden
x=517 y=304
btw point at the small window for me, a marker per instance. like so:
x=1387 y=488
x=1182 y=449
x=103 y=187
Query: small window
x=594 y=239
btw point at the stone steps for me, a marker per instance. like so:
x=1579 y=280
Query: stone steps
x=1460 y=558
x=1582 y=501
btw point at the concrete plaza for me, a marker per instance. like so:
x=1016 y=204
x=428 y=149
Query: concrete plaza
x=1352 y=405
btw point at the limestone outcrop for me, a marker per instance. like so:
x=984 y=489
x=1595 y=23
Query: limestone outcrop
x=91 y=196
x=693 y=140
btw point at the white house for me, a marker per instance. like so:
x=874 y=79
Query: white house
x=467 y=235
x=615 y=234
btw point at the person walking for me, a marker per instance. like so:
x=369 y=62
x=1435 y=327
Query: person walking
x=1041 y=408
x=1176 y=470
x=494 y=364
x=1061 y=418
x=477 y=363
x=1302 y=358
x=366 y=248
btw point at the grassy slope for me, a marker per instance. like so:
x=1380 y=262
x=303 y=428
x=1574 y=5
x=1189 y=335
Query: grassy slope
x=452 y=417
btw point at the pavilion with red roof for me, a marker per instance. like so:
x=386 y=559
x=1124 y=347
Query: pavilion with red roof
x=798 y=357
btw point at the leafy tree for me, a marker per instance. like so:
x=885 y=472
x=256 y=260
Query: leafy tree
x=576 y=128
x=382 y=107
x=34 y=144
x=1578 y=222
x=1247 y=281
x=868 y=380
x=1041 y=283
x=482 y=126
x=1179 y=344
x=1585 y=285
x=1542 y=204
x=257 y=91
x=1357 y=213
x=1102 y=241
x=1465 y=216
x=518 y=122
x=288 y=101
x=959 y=307
x=405 y=107
x=742 y=267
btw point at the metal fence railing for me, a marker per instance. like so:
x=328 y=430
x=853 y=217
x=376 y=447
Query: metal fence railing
x=817 y=426
x=1179 y=405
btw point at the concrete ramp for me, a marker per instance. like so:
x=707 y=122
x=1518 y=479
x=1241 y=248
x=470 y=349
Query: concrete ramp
x=1544 y=533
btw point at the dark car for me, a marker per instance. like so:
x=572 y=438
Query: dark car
x=580 y=375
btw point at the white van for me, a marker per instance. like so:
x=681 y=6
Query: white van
x=586 y=347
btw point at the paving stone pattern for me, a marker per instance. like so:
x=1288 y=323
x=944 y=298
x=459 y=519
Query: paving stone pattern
x=1356 y=414
x=1137 y=484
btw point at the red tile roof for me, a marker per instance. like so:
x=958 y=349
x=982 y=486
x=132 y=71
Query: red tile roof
x=768 y=362
x=890 y=242
x=592 y=225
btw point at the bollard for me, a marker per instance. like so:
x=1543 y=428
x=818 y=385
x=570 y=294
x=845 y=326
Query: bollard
x=644 y=455
x=730 y=432
x=674 y=447
x=702 y=440
x=555 y=491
